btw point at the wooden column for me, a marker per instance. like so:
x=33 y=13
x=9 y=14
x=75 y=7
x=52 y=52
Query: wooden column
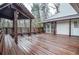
x=52 y=23
x=30 y=27
x=44 y=27
x=15 y=26
x=55 y=27
x=70 y=27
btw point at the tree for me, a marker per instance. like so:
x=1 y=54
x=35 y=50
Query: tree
x=45 y=10
x=36 y=12
x=56 y=7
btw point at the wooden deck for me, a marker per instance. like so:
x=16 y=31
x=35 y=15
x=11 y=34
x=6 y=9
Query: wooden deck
x=42 y=44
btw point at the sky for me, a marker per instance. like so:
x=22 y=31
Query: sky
x=28 y=6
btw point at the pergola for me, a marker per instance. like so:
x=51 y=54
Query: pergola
x=14 y=12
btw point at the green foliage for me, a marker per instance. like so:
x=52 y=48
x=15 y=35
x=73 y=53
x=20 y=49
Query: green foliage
x=36 y=10
x=45 y=10
x=40 y=11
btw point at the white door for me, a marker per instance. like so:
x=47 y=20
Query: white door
x=62 y=27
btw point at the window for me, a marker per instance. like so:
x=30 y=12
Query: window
x=76 y=25
x=48 y=25
x=52 y=25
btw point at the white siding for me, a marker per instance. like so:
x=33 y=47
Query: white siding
x=62 y=27
x=74 y=31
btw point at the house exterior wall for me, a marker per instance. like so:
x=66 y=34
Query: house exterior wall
x=62 y=27
x=75 y=30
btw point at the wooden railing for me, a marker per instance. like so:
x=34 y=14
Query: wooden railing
x=22 y=30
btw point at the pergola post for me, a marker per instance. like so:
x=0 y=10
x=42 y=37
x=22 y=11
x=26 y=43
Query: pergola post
x=30 y=27
x=70 y=27
x=15 y=26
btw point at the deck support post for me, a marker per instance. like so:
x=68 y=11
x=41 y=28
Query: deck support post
x=30 y=27
x=70 y=27
x=15 y=26
x=55 y=28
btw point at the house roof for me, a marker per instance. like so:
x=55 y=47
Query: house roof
x=7 y=11
x=75 y=16
x=67 y=11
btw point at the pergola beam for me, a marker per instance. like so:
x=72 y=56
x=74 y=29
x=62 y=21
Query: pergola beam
x=20 y=11
x=4 y=6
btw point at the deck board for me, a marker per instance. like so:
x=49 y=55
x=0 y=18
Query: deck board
x=42 y=44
